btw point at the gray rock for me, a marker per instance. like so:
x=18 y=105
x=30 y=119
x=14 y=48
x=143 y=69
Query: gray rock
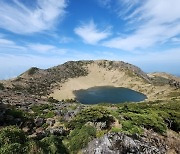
x=98 y=125
x=119 y=143
x=59 y=131
x=39 y=121
x=50 y=121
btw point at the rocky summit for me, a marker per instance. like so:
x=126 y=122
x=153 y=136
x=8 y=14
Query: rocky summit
x=40 y=114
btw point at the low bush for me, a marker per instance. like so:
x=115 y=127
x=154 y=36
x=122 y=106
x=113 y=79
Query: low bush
x=12 y=140
x=149 y=121
x=32 y=70
x=129 y=128
x=79 y=138
x=14 y=148
x=39 y=110
x=53 y=144
x=2 y=86
x=101 y=133
x=93 y=114
x=52 y=100
x=12 y=134
x=115 y=129
x=158 y=115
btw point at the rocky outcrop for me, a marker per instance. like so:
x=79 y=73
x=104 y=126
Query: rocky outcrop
x=119 y=143
x=174 y=83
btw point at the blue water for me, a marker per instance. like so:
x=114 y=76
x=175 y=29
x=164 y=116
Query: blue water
x=108 y=94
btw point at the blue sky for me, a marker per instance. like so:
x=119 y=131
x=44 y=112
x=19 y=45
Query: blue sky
x=45 y=33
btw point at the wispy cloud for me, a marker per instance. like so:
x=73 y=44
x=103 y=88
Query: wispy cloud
x=46 y=48
x=104 y=3
x=90 y=33
x=6 y=44
x=176 y=40
x=159 y=22
x=18 y=18
x=65 y=39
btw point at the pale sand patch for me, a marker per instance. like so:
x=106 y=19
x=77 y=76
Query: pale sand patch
x=99 y=76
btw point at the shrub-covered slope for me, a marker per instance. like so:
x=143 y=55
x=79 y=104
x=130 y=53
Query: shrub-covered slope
x=152 y=126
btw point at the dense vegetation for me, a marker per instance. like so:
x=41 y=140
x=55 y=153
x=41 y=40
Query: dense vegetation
x=89 y=123
x=92 y=114
x=157 y=115
x=14 y=140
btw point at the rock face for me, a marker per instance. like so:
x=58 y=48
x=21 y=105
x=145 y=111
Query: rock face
x=119 y=143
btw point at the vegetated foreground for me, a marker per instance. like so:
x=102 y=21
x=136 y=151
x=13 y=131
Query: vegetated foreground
x=69 y=127
x=32 y=122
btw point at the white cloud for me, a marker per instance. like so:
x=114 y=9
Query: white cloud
x=90 y=34
x=6 y=44
x=175 y=40
x=46 y=48
x=159 y=22
x=167 y=61
x=18 y=18
x=65 y=39
x=104 y=3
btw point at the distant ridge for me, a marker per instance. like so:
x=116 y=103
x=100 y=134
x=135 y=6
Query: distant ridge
x=61 y=80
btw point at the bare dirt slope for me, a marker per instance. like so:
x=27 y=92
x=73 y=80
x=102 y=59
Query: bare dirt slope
x=99 y=75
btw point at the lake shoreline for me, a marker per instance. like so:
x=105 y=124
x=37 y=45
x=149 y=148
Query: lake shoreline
x=108 y=94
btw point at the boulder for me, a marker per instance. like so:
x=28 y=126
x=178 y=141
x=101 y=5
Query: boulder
x=59 y=131
x=39 y=121
x=98 y=125
x=119 y=143
x=50 y=122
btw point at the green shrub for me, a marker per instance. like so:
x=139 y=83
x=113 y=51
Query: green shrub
x=12 y=140
x=12 y=134
x=39 y=110
x=149 y=121
x=15 y=113
x=52 y=100
x=50 y=114
x=93 y=114
x=53 y=145
x=1 y=86
x=129 y=128
x=18 y=87
x=32 y=70
x=14 y=148
x=79 y=138
x=34 y=147
x=115 y=129
x=157 y=115
x=100 y=133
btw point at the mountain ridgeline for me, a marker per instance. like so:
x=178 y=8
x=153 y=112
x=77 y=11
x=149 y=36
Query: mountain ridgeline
x=42 y=81
x=39 y=113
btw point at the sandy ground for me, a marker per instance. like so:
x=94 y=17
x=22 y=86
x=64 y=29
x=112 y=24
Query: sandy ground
x=99 y=76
